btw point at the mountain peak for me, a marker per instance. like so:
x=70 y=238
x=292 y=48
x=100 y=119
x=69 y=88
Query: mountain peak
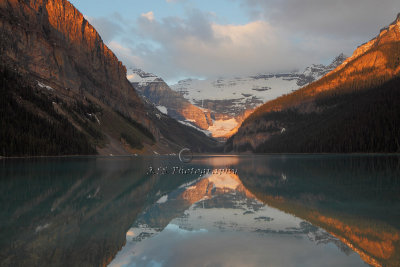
x=397 y=19
x=338 y=60
x=141 y=77
x=341 y=56
x=387 y=35
x=142 y=73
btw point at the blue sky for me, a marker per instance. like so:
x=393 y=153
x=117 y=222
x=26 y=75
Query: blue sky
x=177 y=39
x=228 y=11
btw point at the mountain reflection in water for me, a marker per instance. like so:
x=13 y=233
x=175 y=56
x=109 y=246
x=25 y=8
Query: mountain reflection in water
x=331 y=200
x=279 y=210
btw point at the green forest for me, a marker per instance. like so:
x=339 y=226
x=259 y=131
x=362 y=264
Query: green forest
x=355 y=121
x=24 y=132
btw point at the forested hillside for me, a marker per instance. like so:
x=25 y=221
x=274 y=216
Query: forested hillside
x=355 y=121
x=354 y=108
x=29 y=125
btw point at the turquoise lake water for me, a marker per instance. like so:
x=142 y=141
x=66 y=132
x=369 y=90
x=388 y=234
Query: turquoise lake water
x=264 y=210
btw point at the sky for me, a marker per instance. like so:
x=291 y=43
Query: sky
x=178 y=39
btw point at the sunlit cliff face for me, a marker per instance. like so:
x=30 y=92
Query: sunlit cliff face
x=372 y=65
x=387 y=35
x=53 y=42
x=371 y=60
x=377 y=59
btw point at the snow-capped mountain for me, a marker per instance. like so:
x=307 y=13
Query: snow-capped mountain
x=142 y=78
x=230 y=100
x=316 y=71
x=153 y=89
x=218 y=106
x=232 y=96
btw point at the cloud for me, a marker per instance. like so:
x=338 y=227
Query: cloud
x=108 y=28
x=234 y=50
x=197 y=46
x=281 y=35
x=339 y=18
x=149 y=15
x=125 y=54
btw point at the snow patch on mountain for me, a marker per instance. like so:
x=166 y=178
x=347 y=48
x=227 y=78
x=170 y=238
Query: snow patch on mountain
x=141 y=77
x=227 y=101
x=250 y=90
x=238 y=90
x=221 y=127
x=42 y=85
x=190 y=124
x=162 y=109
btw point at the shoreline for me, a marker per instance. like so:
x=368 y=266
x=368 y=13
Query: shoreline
x=203 y=155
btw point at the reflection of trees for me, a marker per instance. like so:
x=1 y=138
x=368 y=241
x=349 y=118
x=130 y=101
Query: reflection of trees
x=77 y=211
x=353 y=197
x=72 y=212
x=337 y=177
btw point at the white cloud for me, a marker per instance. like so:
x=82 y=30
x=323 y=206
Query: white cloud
x=196 y=46
x=339 y=18
x=149 y=15
x=283 y=35
x=234 y=50
x=108 y=28
x=126 y=54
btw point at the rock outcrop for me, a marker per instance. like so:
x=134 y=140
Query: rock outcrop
x=169 y=102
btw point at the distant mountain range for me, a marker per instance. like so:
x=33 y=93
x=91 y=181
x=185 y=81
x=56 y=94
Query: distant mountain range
x=354 y=108
x=169 y=102
x=217 y=107
x=65 y=92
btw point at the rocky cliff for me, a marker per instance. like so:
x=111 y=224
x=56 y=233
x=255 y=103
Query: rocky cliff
x=62 y=58
x=168 y=101
x=53 y=41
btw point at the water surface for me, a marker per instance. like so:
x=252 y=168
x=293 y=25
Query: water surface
x=274 y=210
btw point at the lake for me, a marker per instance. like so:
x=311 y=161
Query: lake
x=250 y=210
